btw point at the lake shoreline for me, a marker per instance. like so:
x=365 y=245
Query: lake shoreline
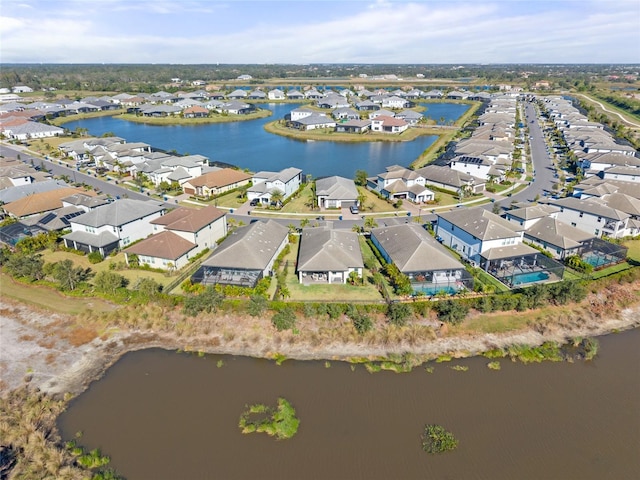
x=27 y=341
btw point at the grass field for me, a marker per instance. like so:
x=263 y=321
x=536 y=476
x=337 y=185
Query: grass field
x=177 y=120
x=50 y=299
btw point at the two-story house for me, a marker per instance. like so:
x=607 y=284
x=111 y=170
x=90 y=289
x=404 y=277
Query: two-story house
x=286 y=181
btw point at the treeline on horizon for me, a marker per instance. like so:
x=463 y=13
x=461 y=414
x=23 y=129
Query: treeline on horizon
x=151 y=77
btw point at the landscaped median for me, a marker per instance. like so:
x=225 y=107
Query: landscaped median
x=179 y=120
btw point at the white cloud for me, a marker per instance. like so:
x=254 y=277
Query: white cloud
x=379 y=32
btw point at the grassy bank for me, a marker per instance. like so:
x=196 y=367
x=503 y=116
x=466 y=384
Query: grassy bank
x=178 y=120
x=82 y=116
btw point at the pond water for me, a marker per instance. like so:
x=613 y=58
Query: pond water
x=167 y=415
x=247 y=145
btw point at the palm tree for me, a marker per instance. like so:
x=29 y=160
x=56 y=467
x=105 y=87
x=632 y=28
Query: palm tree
x=277 y=196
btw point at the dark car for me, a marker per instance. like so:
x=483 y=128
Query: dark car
x=255 y=202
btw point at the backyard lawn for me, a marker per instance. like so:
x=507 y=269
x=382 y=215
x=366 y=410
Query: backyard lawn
x=130 y=274
x=326 y=292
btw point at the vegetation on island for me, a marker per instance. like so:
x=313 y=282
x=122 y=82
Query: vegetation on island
x=435 y=439
x=280 y=422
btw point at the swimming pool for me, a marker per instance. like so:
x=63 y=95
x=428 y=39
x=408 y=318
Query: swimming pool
x=432 y=290
x=530 y=277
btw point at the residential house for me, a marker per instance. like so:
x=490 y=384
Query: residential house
x=623 y=174
x=245 y=256
x=354 y=126
x=257 y=95
x=37 y=203
x=594 y=217
x=401 y=183
x=558 y=238
x=313 y=122
x=525 y=217
x=387 y=124
x=195 y=112
x=29 y=130
x=265 y=183
x=430 y=267
x=336 y=192
x=238 y=94
x=216 y=182
x=328 y=256
x=410 y=116
x=295 y=95
x=113 y=226
x=495 y=244
x=452 y=180
x=179 y=236
x=345 y=114
x=395 y=102
x=276 y=94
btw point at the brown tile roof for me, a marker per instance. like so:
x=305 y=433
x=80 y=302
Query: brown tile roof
x=220 y=178
x=196 y=109
x=189 y=219
x=390 y=121
x=166 y=245
x=41 y=202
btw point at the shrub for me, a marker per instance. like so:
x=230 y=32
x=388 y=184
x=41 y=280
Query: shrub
x=451 y=312
x=95 y=257
x=257 y=305
x=285 y=319
x=399 y=313
x=208 y=301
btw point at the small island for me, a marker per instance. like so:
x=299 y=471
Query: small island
x=435 y=439
x=280 y=422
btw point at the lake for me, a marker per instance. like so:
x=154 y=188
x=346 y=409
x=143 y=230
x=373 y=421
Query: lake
x=247 y=145
x=166 y=415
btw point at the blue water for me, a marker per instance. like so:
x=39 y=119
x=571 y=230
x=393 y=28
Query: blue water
x=435 y=290
x=530 y=277
x=444 y=111
x=247 y=145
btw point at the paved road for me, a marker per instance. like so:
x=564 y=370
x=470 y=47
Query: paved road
x=542 y=163
x=107 y=188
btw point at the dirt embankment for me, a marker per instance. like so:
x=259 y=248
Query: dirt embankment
x=53 y=353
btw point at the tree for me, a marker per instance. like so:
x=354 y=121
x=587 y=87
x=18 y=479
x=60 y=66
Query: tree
x=257 y=305
x=496 y=208
x=109 y=282
x=370 y=223
x=277 y=196
x=208 y=301
x=148 y=287
x=304 y=222
x=68 y=275
x=360 y=178
x=29 y=267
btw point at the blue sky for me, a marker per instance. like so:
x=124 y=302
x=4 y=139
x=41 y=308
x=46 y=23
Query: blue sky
x=314 y=31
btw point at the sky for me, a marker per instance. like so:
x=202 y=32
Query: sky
x=319 y=31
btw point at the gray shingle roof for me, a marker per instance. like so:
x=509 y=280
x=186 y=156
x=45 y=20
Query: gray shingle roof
x=480 y=223
x=322 y=249
x=413 y=249
x=338 y=188
x=250 y=248
x=118 y=213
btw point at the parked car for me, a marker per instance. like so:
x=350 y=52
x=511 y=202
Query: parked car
x=354 y=209
x=255 y=202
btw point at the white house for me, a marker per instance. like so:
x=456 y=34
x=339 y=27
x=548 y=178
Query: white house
x=328 y=256
x=401 y=183
x=336 y=192
x=265 y=183
x=387 y=124
x=112 y=226
x=594 y=217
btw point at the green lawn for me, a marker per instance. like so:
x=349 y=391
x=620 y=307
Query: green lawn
x=634 y=249
x=82 y=261
x=326 y=292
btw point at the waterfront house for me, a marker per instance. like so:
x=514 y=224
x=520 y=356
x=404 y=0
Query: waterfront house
x=495 y=245
x=257 y=95
x=276 y=94
x=180 y=235
x=387 y=124
x=113 y=226
x=245 y=256
x=313 y=122
x=237 y=94
x=354 y=126
x=593 y=216
x=345 y=114
x=429 y=266
x=336 y=192
x=410 y=116
x=328 y=256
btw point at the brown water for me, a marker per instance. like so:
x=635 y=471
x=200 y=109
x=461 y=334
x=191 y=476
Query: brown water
x=165 y=415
